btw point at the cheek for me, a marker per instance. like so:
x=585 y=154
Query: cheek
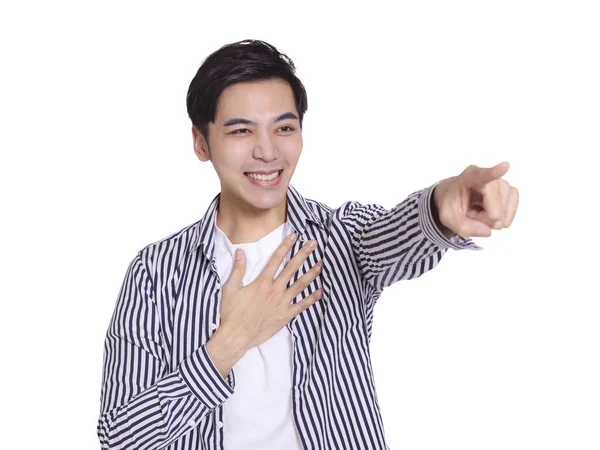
x=232 y=159
x=292 y=148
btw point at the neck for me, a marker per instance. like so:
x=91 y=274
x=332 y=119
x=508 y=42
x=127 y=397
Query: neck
x=247 y=224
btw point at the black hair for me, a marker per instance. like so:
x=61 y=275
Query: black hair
x=247 y=60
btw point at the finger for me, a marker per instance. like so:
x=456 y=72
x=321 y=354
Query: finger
x=480 y=176
x=485 y=218
x=494 y=205
x=505 y=190
x=488 y=204
x=294 y=264
x=301 y=284
x=305 y=303
x=278 y=257
x=472 y=228
x=237 y=272
x=511 y=208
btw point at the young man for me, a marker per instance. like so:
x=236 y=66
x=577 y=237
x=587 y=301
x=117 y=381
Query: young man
x=229 y=334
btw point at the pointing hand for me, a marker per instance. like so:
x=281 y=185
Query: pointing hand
x=476 y=201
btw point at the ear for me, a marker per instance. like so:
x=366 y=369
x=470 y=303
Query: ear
x=200 y=145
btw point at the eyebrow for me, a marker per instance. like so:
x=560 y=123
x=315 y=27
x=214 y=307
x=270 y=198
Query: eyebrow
x=238 y=120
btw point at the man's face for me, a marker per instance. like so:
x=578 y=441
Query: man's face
x=256 y=129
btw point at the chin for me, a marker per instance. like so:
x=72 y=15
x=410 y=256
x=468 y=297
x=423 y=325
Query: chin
x=268 y=199
x=263 y=195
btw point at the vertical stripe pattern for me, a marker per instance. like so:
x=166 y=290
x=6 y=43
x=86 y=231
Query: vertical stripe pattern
x=160 y=389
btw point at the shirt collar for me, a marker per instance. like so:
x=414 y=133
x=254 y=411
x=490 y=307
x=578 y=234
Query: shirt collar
x=298 y=213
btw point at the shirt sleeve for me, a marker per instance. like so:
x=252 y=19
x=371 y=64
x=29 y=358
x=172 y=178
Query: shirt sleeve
x=401 y=243
x=144 y=404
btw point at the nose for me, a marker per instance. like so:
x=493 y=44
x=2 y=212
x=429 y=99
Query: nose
x=265 y=148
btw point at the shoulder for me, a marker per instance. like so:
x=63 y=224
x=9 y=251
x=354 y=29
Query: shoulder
x=171 y=248
x=319 y=209
x=350 y=210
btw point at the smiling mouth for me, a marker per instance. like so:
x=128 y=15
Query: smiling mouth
x=261 y=177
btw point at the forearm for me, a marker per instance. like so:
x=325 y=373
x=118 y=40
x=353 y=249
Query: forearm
x=161 y=413
x=401 y=243
x=146 y=403
x=225 y=349
x=146 y=421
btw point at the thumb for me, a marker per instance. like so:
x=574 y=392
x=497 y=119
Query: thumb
x=472 y=228
x=239 y=269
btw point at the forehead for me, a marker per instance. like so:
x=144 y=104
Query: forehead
x=254 y=99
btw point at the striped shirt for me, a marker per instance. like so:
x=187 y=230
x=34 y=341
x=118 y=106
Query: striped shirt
x=160 y=389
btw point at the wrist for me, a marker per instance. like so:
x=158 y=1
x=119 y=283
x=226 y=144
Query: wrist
x=225 y=348
x=231 y=339
x=435 y=212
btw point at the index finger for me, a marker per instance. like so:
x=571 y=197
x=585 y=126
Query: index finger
x=278 y=256
x=480 y=176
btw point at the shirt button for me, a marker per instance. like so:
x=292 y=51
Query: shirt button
x=191 y=423
x=220 y=424
x=213 y=326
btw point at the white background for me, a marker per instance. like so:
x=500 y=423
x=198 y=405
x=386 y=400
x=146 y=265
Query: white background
x=498 y=349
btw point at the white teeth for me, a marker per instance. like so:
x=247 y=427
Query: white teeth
x=264 y=177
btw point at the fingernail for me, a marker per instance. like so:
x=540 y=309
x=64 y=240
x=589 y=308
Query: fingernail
x=292 y=237
x=312 y=244
x=238 y=254
x=483 y=230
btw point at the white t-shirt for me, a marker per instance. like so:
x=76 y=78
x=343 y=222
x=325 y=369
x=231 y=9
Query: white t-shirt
x=258 y=415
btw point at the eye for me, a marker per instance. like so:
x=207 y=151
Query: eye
x=289 y=128
x=239 y=131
